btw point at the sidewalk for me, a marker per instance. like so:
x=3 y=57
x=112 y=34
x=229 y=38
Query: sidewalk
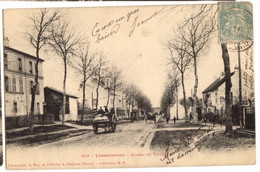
x=44 y=133
x=180 y=133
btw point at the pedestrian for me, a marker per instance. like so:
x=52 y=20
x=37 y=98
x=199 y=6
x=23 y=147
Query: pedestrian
x=174 y=119
x=106 y=109
x=101 y=111
x=190 y=116
x=168 y=115
x=205 y=120
x=112 y=111
x=213 y=119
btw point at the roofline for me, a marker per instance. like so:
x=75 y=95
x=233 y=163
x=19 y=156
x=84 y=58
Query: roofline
x=56 y=90
x=207 y=91
x=21 y=52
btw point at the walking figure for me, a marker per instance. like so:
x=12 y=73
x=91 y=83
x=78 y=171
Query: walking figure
x=174 y=119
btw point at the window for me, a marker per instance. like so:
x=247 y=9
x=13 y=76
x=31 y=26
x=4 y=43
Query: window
x=20 y=64
x=15 y=107
x=31 y=86
x=30 y=67
x=6 y=83
x=14 y=84
x=6 y=61
x=21 y=85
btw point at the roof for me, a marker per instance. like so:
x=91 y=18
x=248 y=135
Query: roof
x=23 y=53
x=61 y=92
x=217 y=83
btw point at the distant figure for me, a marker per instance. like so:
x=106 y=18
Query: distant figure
x=106 y=109
x=168 y=115
x=205 y=120
x=112 y=111
x=213 y=119
x=190 y=116
x=174 y=119
x=101 y=111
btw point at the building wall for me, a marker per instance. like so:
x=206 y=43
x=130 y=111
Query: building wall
x=17 y=95
x=73 y=103
x=217 y=97
x=90 y=93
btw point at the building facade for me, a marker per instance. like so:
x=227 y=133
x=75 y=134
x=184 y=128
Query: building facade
x=105 y=98
x=54 y=104
x=19 y=75
x=214 y=94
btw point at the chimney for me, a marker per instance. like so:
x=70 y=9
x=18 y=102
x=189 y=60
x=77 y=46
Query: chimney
x=6 y=41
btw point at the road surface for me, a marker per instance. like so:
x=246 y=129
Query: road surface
x=126 y=135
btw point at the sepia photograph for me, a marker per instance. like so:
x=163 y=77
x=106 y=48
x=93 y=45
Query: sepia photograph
x=1 y=134
x=124 y=87
x=115 y=0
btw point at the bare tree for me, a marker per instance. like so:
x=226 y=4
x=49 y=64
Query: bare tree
x=38 y=35
x=173 y=84
x=100 y=74
x=115 y=82
x=228 y=85
x=64 y=42
x=195 y=33
x=108 y=83
x=83 y=63
x=131 y=92
x=181 y=60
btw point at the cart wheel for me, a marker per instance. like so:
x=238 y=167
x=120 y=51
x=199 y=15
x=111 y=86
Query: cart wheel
x=95 y=128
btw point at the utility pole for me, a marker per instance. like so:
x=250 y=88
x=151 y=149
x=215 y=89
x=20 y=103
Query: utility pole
x=240 y=86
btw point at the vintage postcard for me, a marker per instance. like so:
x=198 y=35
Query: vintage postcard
x=114 y=0
x=122 y=87
x=1 y=134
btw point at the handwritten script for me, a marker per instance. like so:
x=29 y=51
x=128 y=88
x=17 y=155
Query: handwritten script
x=112 y=27
x=188 y=145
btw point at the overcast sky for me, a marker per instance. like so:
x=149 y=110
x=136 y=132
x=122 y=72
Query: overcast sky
x=142 y=57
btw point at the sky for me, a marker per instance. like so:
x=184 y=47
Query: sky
x=139 y=53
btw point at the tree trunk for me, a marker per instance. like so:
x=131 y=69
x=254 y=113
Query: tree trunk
x=64 y=91
x=228 y=85
x=32 y=109
x=177 y=102
x=129 y=111
x=108 y=96
x=84 y=95
x=132 y=101
x=240 y=87
x=184 y=98
x=194 y=108
x=33 y=91
x=114 y=97
x=97 y=91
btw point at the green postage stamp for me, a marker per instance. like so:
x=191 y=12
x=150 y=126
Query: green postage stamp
x=235 y=21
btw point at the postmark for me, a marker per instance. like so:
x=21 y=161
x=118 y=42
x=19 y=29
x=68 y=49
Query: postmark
x=235 y=22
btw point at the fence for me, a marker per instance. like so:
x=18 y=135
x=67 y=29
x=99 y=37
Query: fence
x=24 y=120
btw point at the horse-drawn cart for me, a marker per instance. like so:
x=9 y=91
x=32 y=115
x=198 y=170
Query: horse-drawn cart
x=150 y=116
x=107 y=121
